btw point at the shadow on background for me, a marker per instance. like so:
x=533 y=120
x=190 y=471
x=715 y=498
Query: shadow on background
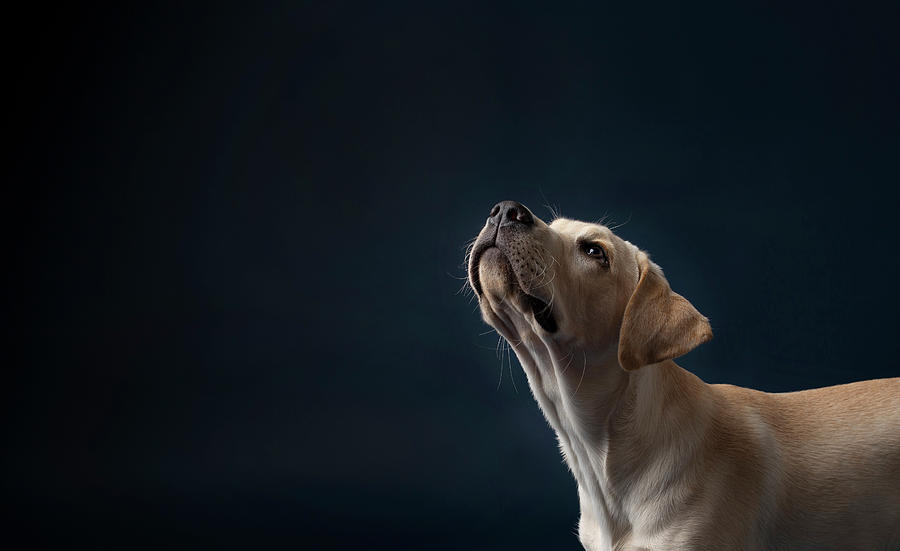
x=237 y=316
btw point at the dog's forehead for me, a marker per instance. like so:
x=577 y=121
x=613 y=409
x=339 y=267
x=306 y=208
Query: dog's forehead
x=576 y=229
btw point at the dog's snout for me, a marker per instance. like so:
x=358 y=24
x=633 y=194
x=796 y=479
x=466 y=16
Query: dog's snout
x=510 y=212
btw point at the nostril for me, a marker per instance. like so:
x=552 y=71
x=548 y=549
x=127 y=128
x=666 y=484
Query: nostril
x=506 y=212
x=518 y=214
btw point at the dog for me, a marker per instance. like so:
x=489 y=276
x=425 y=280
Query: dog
x=663 y=460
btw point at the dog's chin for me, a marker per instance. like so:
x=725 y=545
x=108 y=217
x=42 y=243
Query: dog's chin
x=498 y=279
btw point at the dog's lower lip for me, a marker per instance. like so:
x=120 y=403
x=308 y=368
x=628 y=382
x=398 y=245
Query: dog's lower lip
x=474 y=280
x=477 y=253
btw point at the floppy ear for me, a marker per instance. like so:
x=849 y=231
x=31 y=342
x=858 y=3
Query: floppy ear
x=659 y=324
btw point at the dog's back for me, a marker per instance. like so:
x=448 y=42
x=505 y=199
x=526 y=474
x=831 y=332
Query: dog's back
x=830 y=451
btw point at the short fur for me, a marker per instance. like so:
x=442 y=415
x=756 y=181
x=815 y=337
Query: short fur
x=662 y=459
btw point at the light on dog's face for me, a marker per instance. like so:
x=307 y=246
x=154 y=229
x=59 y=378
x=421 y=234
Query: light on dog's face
x=568 y=280
x=596 y=275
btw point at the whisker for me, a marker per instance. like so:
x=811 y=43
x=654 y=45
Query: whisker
x=622 y=224
x=509 y=366
x=465 y=288
x=500 y=357
x=583 y=369
x=554 y=210
x=571 y=357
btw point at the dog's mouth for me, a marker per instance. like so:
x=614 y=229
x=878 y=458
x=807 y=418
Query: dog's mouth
x=542 y=312
x=525 y=302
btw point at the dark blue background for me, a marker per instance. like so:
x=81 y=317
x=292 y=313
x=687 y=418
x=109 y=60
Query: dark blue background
x=235 y=238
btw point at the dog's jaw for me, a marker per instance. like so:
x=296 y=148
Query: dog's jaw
x=510 y=268
x=501 y=288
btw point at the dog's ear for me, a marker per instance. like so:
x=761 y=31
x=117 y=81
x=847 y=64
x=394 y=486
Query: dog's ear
x=659 y=324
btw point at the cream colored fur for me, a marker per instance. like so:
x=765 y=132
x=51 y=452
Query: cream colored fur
x=662 y=459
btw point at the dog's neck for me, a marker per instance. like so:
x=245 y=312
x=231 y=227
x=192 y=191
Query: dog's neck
x=608 y=422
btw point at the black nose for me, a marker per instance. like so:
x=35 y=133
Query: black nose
x=509 y=212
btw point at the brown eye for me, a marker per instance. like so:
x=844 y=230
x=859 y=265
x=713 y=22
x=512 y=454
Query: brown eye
x=595 y=251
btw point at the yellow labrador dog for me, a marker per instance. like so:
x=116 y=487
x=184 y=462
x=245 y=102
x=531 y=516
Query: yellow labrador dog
x=662 y=459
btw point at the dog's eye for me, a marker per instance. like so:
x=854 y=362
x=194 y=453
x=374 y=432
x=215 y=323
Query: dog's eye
x=594 y=250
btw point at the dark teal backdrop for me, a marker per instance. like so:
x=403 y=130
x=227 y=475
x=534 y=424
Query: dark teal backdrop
x=235 y=237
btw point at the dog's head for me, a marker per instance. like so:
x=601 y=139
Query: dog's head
x=578 y=285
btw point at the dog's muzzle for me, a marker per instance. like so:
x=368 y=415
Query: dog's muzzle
x=508 y=218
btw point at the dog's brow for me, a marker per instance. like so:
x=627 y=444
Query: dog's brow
x=591 y=235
